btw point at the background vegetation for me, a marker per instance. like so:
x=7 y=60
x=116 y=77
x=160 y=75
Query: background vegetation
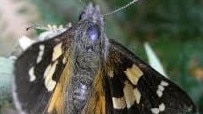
x=174 y=28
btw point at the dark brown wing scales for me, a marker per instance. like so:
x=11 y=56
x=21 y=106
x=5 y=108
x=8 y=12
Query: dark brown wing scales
x=35 y=76
x=135 y=87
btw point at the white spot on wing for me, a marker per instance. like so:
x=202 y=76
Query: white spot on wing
x=159 y=93
x=31 y=74
x=161 y=108
x=48 y=74
x=118 y=103
x=164 y=83
x=155 y=111
x=25 y=42
x=47 y=70
x=41 y=52
x=161 y=88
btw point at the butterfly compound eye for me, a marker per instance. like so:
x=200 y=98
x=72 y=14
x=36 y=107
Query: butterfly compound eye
x=93 y=32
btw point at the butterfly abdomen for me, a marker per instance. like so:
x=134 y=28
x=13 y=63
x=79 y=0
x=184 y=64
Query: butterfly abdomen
x=87 y=59
x=77 y=94
x=80 y=87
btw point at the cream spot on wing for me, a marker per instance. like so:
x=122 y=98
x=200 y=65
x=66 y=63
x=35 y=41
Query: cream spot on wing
x=31 y=74
x=118 y=103
x=41 y=52
x=48 y=74
x=137 y=95
x=57 y=52
x=134 y=73
x=47 y=70
x=110 y=74
x=129 y=94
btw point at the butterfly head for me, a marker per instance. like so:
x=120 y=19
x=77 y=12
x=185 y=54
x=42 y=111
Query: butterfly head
x=93 y=14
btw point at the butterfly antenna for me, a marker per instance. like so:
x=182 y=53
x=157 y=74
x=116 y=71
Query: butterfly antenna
x=36 y=26
x=121 y=8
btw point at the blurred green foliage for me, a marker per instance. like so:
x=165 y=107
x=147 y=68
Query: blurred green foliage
x=174 y=28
